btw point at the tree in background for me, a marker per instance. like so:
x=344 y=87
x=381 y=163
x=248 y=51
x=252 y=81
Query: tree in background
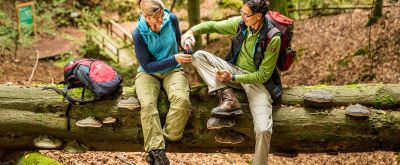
x=194 y=19
x=279 y=5
x=376 y=12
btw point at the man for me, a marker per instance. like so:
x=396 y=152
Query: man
x=257 y=76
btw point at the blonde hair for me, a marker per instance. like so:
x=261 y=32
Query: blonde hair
x=151 y=7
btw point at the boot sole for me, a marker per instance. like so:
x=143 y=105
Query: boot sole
x=225 y=114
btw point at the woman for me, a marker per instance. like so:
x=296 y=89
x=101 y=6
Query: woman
x=156 y=41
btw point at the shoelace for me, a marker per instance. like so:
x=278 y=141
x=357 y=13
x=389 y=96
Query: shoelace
x=223 y=96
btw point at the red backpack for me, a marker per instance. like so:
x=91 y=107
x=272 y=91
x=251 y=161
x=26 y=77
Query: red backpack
x=101 y=79
x=284 y=26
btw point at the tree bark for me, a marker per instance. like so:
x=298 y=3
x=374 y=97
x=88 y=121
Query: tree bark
x=194 y=19
x=376 y=12
x=26 y=113
x=380 y=96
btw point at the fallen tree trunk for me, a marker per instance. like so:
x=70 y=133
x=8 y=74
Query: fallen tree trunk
x=26 y=113
x=380 y=96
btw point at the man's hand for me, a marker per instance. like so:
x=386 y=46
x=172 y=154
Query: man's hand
x=183 y=58
x=186 y=36
x=223 y=75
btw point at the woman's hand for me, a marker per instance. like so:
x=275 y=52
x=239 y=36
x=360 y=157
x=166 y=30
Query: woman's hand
x=223 y=76
x=186 y=36
x=183 y=58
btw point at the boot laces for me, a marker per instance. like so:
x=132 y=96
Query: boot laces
x=225 y=95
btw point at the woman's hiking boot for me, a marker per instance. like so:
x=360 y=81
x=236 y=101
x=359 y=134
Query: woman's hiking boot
x=228 y=105
x=218 y=123
x=157 y=157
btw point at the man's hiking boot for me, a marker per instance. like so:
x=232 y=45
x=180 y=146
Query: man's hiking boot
x=228 y=137
x=48 y=142
x=109 y=120
x=130 y=103
x=157 y=157
x=357 y=110
x=229 y=105
x=217 y=122
x=89 y=122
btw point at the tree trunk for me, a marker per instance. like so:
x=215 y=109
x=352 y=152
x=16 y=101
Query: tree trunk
x=279 y=5
x=194 y=19
x=376 y=13
x=378 y=9
x=380 y=96
x=26 y=113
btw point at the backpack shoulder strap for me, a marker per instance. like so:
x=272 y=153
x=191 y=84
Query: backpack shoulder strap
x=267 y=32
x=68 y=97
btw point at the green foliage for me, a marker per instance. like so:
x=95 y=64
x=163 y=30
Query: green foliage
x=87 y=17
x=384 y=98
x=126 y=9
x=63 y=60
x=230 y=4
x=128 y=73
x=361 y=51
x=9 y=32
x=48 y=10
x=61 y=13
x=92 y=50
x=36 y=158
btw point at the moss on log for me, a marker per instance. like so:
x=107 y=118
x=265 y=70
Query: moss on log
x=26 y=113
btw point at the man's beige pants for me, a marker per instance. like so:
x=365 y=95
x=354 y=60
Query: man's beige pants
x=148 y=89
x=259 y=99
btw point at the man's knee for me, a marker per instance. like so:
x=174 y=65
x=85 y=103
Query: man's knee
x=199 y=55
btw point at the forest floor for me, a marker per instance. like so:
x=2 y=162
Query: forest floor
x=332 y=50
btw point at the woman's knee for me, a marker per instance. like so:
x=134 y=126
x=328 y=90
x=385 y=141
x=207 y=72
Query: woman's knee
x=179 y=100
